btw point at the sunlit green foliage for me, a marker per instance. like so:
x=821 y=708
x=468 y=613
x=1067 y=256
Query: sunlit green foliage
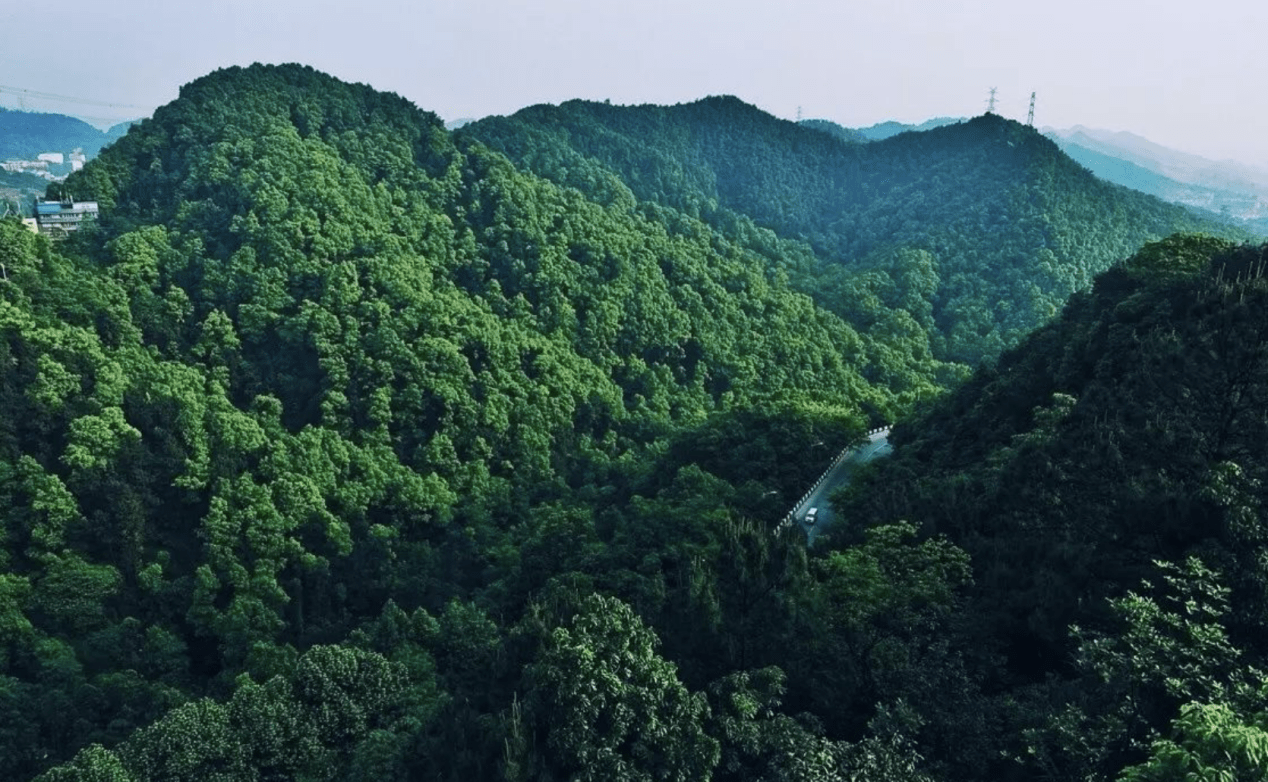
x=343 y=448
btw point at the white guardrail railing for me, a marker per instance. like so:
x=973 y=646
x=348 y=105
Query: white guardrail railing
x=791 y=516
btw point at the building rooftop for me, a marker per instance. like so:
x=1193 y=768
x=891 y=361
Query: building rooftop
x=59 y=216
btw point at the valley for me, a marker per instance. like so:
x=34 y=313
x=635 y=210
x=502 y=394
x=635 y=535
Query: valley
x=348 y=446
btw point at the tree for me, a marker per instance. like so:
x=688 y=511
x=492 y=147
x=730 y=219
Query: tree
x=607 y=707
x=1169 y=647
x=1211 y=744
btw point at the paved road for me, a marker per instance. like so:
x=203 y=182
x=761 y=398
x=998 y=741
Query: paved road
x=876 y=446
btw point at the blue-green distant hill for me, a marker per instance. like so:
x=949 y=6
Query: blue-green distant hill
x=883 y=130
x=1232 y=190
x=26 y=134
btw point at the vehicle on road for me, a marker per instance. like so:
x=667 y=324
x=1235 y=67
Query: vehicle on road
x=812 y=515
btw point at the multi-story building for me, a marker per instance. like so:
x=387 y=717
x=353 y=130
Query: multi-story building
x=59 y=217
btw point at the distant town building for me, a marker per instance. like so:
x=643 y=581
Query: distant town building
x=77 y=160
x=56 y=158
x=29 y=166
x=58 y=217
x=32 y=225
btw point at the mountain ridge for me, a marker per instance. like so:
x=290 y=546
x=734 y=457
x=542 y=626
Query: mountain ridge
x=723 y=160
x=1229 y=188
x=27 y=134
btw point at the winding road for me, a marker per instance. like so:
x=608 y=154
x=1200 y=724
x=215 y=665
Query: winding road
x=838 y=475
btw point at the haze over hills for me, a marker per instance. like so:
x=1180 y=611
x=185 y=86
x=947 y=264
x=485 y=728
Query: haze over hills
x=27 y=134
x=883 y=130
x=1181 y=166
x=346 y=447
x=1228 y=187
x=24 y=135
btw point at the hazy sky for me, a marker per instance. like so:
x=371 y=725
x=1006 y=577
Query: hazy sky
x=1189 y=76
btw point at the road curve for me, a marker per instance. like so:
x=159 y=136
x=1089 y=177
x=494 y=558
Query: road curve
x=877 y=445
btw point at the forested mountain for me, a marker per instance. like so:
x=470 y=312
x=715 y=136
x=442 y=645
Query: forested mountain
x=315 y=448
x=1234 y=191
x=26 y=134
x=342 y=448
x=1107 y=480
x=985 y=227
x=833 y=129
x=883 y=130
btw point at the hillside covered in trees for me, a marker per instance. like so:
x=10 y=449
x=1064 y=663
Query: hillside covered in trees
x=344 y=449
x=981 y=229
x=1107 y=480
x=324 y=367
x=25 y=134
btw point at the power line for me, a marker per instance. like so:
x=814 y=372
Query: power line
x=23 y=94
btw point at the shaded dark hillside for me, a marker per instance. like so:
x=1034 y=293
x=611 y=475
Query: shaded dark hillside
x=1012 y=226
x=849 y=135
x=1131 y=432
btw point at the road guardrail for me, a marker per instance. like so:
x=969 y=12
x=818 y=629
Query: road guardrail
x=791 y=516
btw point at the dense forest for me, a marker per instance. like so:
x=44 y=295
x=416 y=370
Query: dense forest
x=982 y=229
x=1107 y=480
x=347 y=448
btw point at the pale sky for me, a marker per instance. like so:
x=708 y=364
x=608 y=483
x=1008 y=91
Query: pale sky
x=1188 y=76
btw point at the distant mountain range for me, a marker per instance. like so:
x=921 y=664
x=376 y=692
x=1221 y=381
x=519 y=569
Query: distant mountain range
x=878 y=132
x=1225 y=187
x=26 y=134
x=883 y=130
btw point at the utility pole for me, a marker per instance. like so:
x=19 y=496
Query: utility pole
x=990 y=108
x=1030 y=118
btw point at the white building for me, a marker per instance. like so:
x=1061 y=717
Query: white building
x=25 y=165
x=56 y=158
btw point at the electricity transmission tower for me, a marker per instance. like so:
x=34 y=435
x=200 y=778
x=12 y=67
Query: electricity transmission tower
x=990 y=107
x=1030 y=118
